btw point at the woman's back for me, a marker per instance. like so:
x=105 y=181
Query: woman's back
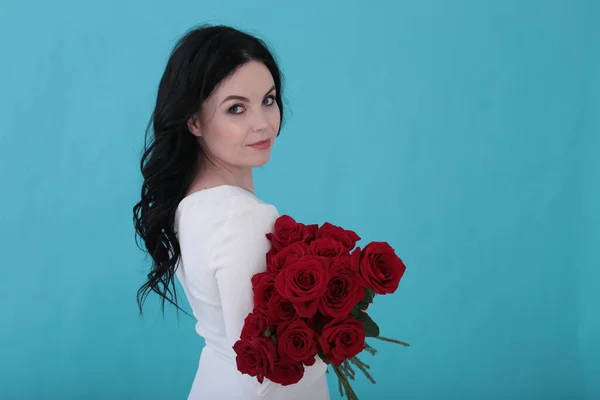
x=221 y=231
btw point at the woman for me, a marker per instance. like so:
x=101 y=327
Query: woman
x=217 y=116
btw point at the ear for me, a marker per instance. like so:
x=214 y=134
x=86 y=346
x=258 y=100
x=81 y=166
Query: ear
x=193 y=124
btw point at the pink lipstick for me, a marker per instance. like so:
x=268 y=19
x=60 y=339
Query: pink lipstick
x=262 y=145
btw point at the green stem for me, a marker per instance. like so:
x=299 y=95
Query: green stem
x=340 y=386
x=370 y=349
x=363 y=367
x=361 y=362
x=342 y=379
x=392 y=340
x=348 y=370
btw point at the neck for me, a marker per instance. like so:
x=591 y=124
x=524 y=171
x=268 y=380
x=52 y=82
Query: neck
x=213 y=175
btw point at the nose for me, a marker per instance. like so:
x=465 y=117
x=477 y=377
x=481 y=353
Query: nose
x=259 y=121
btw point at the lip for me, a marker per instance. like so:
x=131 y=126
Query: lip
x=261 y=145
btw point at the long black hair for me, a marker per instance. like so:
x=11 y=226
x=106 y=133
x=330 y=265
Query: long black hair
x=199 y=62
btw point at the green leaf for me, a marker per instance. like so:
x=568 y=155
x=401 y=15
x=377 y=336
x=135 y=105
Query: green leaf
x=267 y=333
x=371 y=328
x=322 y=355
x=369 y=295
x=364 y=303
x=358 y=309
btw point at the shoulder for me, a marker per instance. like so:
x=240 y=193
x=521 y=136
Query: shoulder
x=240 y=236
x=245 y=214
x=224 y=209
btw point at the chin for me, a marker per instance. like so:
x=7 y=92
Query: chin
x=259 y=162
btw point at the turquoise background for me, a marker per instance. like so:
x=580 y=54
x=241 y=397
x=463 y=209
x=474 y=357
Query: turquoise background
x=465 y=133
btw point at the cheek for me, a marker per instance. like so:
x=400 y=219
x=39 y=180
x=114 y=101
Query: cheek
x=274 y=118
x=225 y=137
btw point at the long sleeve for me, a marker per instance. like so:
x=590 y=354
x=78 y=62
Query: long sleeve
x=238 y=253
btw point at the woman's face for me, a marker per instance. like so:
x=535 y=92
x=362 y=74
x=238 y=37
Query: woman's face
x=239 y=122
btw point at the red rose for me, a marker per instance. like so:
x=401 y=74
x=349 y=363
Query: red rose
x=255 y=357
x=346 y=237
x=380 y=267
x=272 y=251
x=287 y=231
x=329 y=249
x=303 y=283
x=343 y=290
x=255 y=324
x=342 y=339
x=280 y=310
x=297 y=342
x=286 y=372
x=263 y=287
x=355 y=259
x=312 y=232
x=287 y=256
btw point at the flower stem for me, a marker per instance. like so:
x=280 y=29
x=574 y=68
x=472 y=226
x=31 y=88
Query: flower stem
x=370 y=349
x=340 y=386
x=363 y=367
x=392 y=340
x=348 y=370
x=346 y=385
x=361 y=362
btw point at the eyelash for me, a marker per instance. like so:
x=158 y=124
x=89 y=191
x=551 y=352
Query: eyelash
x=231 y=109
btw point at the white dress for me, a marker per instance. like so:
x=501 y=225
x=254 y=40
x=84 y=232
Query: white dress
x=221 y=231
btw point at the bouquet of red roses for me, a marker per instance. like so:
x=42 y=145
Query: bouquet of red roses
x=311 y=301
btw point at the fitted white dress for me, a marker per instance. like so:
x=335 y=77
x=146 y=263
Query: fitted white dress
x=221 y=231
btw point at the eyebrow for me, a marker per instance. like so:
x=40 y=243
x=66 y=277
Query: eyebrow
x=242 y=98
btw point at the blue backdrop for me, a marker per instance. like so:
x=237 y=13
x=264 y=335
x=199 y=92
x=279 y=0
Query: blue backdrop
x=465 y=133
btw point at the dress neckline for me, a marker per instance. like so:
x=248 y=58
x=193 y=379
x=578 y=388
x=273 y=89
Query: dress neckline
x=213 y=189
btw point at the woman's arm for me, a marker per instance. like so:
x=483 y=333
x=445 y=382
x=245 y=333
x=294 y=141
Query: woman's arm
x=238 y=253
